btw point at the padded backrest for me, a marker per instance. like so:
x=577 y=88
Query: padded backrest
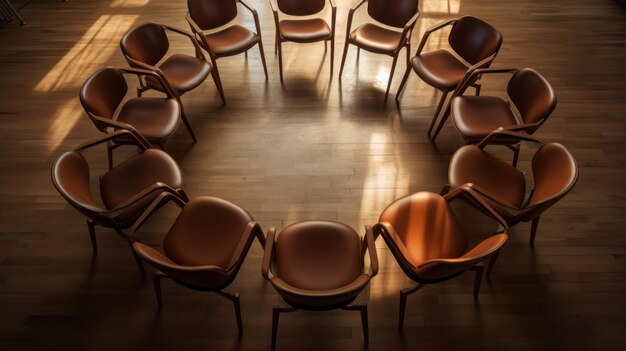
x=318 y=255
x=301 y=7
x=103 y=92
x=209 y=14
x=394 y=13
x=474 y=39
x=532 y=95
x=146 y=43
x=555 y=172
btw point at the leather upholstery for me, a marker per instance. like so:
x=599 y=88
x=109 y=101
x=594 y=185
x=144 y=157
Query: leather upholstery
x=394 y=13
x=154 y=118
x=474 y=39
x=103 y=92
x=231 y=41
x=70 y=175
x=532 y=95
x=182 y=72
x=554 y=173
x=301 y=7
x=376 y=39
x=439 y=68
x=146 y=43
x=211 y=14
x=304 y=31
x=476 y=116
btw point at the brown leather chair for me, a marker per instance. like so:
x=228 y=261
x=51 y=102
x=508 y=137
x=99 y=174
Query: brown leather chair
x=503 y=187
x=308 y=30
x=126 y=190
x=152 y=119
x=430 y=244
x=374 y=38
x=474 y=117
x=317 y=266
x=205 y=247
x=205 y=15
x=475 y=43
x=147 y=44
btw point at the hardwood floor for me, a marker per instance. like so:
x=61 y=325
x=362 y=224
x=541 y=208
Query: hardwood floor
x=313 y=148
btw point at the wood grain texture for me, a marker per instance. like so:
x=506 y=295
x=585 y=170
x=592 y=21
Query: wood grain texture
x=312 y=148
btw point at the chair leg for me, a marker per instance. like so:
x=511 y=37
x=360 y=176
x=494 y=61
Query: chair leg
x=156 y=284
x=393 y=68
x=516 y=150
x=138 y=259
x=343 y=58
x=275 y=316
x=363 y=309
x=403 y=295
x=358 y=53
x=444 y=118
x=110 y=154
x=478 y=278
x=91 y=225
x=263 y=57
x=533 y=230
x=235 y=299
x=477 y=87
x=183 y=116
x=218 y=81
x=280 y=60
x=444 y=96
x=406 y=74
x=276 y=43
x=492 y=263
x=332 y=55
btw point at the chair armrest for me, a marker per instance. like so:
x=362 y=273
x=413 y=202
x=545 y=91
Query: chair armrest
x=392 y=239
x=158 y=186
x=191 y=37
x=111 y=136
x=268 y=254
x=466 y=190
x=353 y=8
x=429 y=31
x=408 y=29
x=370 y=244
x=473 y=73
x=255 y=14
x=122 y=126
x=156 y=204
x=252 y=230
x=508 y=133
x=333 y=17
x=158 y=75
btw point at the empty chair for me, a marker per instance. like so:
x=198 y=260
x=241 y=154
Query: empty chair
x=307 y=30
x=209 y=15
x=377 y=39
x=153 y=119
x=430 y=244
x=474 y=117
x=475 y=44
x=317 y=266
x=205 y=247
x=503 y=186
x=126 y=190
x=147 y=45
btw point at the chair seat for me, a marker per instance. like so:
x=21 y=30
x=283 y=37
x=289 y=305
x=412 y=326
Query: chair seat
x=476 y=116
x=439 y=68
x=304 y=31
x=154 y=118
x=231 y=41
x=182 y=72
x=473 y=165
x=133 y=175
x=376 y=39
x=433 y=231
x=330 y=298
x=206 y=232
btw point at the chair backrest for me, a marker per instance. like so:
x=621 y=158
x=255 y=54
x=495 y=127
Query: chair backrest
x=207 y=232
x=532 y=95
x=210 y=14
x=474 y=39
x=426 y=227
x=318 y=255
x=102 y=93
x=301 y=7
x=440 y=269
x=393 y=13
x=70 y=176
x=555 y=173
x=146 y=43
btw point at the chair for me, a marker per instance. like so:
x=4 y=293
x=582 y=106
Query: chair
x=503 y=186
x=205 y=247
x=476 y=44
x=125 y=190
x=430 y=244
x=474 y=117
x=308 y=30
x=374 y=38
x=151 y=119
x=317 y=266
x=145 y=45
x=232 y=40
